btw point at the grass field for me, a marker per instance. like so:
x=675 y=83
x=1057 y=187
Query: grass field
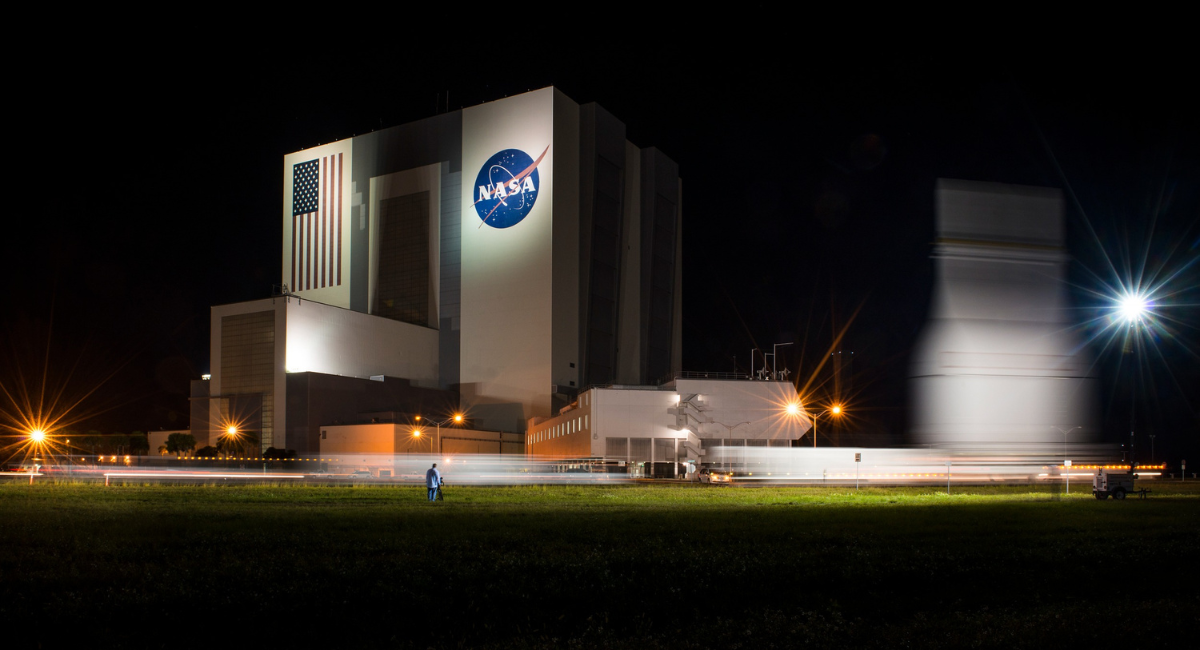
x=621 y=566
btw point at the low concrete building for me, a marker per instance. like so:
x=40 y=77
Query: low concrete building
x=668 y=428
x=384 y=447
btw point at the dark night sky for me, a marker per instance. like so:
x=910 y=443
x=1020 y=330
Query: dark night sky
x=150 y=190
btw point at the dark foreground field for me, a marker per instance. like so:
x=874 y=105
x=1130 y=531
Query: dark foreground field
x=630 y=567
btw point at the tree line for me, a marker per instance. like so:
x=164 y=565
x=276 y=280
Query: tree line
x=135 y=443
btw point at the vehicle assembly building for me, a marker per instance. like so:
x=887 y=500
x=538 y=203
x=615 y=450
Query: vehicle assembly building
x=494 y=259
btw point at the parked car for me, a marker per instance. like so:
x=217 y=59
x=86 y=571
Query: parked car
x=360 y=474
x=713 y=475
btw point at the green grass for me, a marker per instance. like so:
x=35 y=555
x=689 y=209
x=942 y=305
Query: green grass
x=612 y=566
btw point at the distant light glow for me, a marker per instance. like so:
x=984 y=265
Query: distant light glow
x=231 y=431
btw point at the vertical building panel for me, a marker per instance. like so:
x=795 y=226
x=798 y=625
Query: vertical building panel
x=507 y=285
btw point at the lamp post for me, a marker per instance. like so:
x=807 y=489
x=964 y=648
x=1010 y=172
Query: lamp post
x=1060 y=430
x=457 y=418
x=1132 y=308
x=416 y=434
x=836 y=409
x=231 y=434
x=774 y=359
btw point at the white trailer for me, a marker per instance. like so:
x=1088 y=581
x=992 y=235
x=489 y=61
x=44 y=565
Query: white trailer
x=1116 y=483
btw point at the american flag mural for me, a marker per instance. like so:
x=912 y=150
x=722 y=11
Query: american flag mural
x=317 y=223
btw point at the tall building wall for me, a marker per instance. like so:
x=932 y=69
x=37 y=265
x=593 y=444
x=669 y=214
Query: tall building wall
x=660 y=226
x=450 y=278
x=601 y=232
x=507 y=270
x=566 y=295
x=630 y=344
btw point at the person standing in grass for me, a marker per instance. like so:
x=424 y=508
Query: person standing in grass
x=433 y=480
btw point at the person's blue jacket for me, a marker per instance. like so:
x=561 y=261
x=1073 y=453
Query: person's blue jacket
x=433 y=478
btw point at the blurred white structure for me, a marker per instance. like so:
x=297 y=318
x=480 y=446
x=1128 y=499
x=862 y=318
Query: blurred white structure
x=997 y=364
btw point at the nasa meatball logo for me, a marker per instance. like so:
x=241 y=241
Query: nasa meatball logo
x=507 y=187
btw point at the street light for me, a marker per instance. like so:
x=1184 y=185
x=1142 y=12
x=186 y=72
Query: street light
x=231 y=434
x=729 y=436
x=38 y=436
x=1132 y=308
x=774 y=359
x=836 y=409
x=457 y=418
x=1060 y=430
x=417 y=436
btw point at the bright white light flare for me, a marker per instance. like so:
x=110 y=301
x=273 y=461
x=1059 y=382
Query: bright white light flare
x=1132 y=307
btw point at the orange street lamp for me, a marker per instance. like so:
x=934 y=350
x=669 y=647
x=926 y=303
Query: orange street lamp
x=417 y=437
x=457 y=418
x=836 y=409
x=37 y=435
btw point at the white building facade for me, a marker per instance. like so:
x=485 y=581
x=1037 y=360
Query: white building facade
x=672 y=424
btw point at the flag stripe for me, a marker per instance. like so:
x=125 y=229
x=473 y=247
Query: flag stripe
x=339 y=222
x=324 y=212
x=309 y=251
